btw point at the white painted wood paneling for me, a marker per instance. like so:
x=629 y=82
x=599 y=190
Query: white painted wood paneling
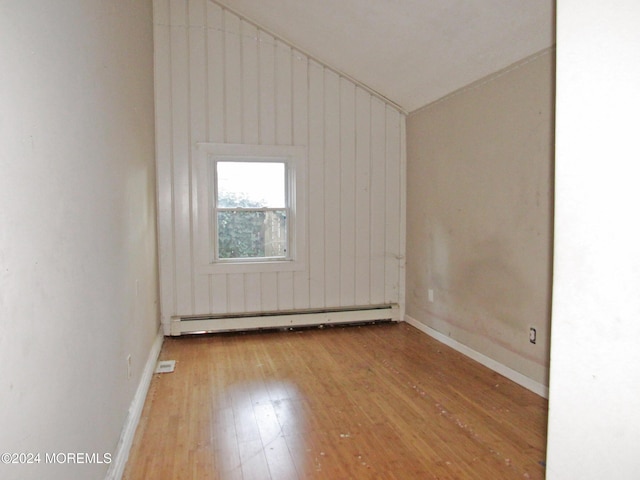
x=363 y=197
x=284 y=136
x=217 y=295
x=250 y=85
x=300 y=133
x=180 y=124
x=197 y=126
x=236 y=292
x=377 y=211
x=347 y=192
x=222 y=79
x=164 y=178
x=392 y=205
x=233 y=104
x=252 y=282
x=283 y=93
x=215 y=74
x=267 y=94
x=331 y=167
x=269 y=290
x=316 y=184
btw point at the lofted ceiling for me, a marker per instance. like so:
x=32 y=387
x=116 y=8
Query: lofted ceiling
x=411 y=51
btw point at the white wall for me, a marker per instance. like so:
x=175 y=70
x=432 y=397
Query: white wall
x=594 y=410
x=221 y=79
x=78 y=276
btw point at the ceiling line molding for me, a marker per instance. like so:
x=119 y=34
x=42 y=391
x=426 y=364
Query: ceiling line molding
x=488 y=79
x=294 y=47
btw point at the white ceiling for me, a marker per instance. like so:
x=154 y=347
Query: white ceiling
x=411 y=51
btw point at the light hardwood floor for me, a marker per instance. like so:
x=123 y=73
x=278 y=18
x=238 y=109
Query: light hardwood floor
x=380 y=401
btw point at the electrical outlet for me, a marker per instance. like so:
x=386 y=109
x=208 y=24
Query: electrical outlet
x=129 y=366
x=430 y=293
x=532 y=335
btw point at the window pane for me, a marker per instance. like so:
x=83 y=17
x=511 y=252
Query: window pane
x=251 y=184
x=243 y=234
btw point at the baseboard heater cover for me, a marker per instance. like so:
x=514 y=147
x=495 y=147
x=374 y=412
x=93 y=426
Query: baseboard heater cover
x=282 y=319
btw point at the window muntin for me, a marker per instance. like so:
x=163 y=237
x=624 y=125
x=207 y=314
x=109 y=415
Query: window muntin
x=251 y=210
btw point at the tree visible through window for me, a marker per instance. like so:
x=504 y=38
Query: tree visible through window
x=251 y=210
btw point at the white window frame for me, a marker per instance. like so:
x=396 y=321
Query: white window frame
x=289 y=180
x=208 y=154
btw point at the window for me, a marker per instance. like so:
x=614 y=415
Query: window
x=250 y=208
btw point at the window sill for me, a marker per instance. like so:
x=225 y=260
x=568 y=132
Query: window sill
x=251 y=267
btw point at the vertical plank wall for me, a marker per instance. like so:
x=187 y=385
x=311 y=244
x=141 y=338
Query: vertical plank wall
x=222 y=79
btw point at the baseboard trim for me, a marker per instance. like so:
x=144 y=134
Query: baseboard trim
x=116 y=470
x=497 y=367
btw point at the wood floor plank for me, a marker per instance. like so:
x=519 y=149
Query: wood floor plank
x=380 y=401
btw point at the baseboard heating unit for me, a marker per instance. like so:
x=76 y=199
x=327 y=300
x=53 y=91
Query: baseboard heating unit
x=282 y=319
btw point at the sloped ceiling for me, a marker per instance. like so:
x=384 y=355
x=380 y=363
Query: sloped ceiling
x=410 y=51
